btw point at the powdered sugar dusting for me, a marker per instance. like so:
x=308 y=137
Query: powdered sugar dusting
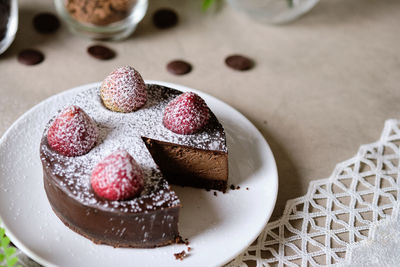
x=73 y=132
x=125 y=131
x=124 y=90
x=186 y=114
x=117 y=177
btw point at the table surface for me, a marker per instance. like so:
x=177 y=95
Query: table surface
x=321 y=86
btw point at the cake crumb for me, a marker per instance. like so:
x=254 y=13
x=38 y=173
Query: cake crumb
x=180 y=255
x=180 y=240
x=234 y=187
x=189 y=249
x=215 y=193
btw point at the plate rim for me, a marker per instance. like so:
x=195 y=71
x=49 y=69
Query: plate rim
x=180 y=87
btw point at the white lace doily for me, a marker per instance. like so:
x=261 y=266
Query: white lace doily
x=336 y=213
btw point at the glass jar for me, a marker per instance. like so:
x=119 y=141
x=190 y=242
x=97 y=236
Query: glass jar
x=102 y=19
x=274 y=11
x=8 y=23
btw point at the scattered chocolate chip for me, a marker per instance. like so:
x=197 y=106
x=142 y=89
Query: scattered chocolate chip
x=239 y=62
x=101 y=52
x=232 y=187
x=247 y=188
x=46 y=23
x=180 y=255
x=165 y=18
x=179 y=67
x=30 y=57
x=215 y=193
x=189 y=248
x=237 y=187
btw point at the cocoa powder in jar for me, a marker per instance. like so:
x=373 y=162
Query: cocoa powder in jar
x=99 y=12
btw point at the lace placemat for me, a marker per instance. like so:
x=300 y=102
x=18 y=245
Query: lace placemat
x=335 y=214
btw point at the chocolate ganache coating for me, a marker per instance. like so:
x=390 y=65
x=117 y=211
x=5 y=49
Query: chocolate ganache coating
x=149 y=220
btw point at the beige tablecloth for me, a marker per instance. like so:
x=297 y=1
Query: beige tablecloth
x=321 y=86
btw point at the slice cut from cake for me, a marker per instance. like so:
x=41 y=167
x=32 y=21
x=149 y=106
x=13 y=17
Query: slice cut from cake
x=188 y=166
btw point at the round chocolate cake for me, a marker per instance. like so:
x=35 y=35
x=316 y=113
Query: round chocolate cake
x=149 y=219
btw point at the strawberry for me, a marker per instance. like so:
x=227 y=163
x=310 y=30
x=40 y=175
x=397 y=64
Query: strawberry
x=117 y=177
x=123 y=90
x=72 y=133
x=186 y=114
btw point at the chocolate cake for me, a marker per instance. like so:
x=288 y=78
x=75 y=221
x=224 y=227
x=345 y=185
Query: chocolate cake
x=150 y=219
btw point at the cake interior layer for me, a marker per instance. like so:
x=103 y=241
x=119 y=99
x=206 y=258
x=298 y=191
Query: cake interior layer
x=187 y=166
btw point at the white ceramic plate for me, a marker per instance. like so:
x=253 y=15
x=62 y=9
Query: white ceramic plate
x=218 y=227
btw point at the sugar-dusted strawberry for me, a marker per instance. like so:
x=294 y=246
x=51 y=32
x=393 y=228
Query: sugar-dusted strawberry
x=186 y=114
x=123 y=90
x=117 y=177
x=72 y=133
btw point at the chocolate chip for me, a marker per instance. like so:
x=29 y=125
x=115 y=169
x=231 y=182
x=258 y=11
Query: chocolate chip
x=239 y=62
x=30 y=57
x=46 y=23
x=101 y=52
x=179 y=67
x=165 y=18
